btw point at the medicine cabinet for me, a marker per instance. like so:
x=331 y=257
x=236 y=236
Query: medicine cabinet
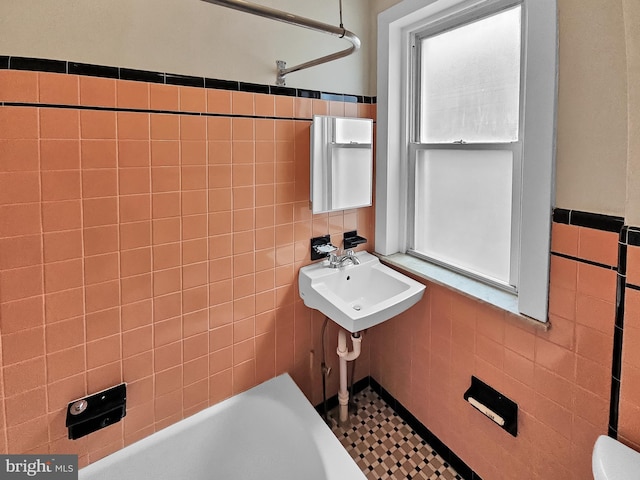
x=341 y=163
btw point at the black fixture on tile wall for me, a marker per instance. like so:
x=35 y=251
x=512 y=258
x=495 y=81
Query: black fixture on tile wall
x=316 y=247
x=95 y=412
x=352 y=239
x=494 y=405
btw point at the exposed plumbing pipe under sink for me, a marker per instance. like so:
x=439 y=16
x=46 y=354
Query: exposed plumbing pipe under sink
x=346 y=356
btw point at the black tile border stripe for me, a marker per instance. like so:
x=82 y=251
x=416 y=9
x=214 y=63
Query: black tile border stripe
x=312 y=94
x=121 y=73
x=628 y=236
x=633 y=237
x=141 y=76
x=608 y=223
x=585 y=261
x=622 y=256
x=89 y=70
x=560 y=215
x=38 y=64
x=149 y=111
x=221 y=84
x=184 y=80
x=254 y=88
x=618 y=332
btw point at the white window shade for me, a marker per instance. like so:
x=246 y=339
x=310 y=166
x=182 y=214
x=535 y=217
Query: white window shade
x=470 y=87
x=463 y=210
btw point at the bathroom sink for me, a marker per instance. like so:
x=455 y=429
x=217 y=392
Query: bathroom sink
x=357 y=297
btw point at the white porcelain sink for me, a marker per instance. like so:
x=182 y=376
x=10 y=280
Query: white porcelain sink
x=357 y=297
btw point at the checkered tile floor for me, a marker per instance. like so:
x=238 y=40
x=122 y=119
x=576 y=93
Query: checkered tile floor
x=385 y=447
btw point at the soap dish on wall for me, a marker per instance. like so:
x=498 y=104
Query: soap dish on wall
x=352 y=239
x=321 y=247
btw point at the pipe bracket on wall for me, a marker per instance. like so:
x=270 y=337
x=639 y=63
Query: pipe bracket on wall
x=279 y=15
x=281 y=65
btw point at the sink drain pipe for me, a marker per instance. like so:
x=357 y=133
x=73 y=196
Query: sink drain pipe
x=346 y=356
x=325 y=370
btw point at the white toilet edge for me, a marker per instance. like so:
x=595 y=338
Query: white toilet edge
x=612 y=460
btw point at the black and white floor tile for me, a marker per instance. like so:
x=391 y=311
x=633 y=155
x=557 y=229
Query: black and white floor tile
x=385 y=447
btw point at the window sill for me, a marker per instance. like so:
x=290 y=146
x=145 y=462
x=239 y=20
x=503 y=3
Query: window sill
x=461 y=284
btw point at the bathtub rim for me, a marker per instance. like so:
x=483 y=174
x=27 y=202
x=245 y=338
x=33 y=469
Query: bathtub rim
x=336 y=461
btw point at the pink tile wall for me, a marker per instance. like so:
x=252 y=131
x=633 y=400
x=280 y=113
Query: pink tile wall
x=163 y=249
x=157 y=249
x=559 y=378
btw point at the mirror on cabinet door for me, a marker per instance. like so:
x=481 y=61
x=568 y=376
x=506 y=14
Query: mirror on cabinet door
x=341 y=163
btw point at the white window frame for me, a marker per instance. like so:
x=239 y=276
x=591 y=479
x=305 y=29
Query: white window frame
x=539 y=77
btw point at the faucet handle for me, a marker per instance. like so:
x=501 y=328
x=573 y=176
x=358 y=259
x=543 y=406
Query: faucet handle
x=351 y=255
x=334 y=260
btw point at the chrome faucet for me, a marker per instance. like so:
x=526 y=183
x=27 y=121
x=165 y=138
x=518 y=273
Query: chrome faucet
x=337 y=261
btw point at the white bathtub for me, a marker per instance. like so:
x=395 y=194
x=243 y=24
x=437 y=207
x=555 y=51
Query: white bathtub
x=270 y=432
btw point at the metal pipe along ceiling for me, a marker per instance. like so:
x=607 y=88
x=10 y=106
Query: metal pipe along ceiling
x=292 y=19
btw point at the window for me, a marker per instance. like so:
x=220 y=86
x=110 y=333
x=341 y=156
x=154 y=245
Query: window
x=466 y=102
x=464 y=162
